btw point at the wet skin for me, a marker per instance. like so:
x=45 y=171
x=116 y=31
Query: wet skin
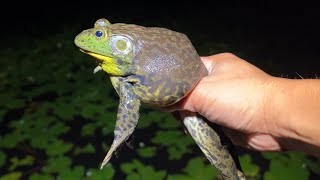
x=157 y=67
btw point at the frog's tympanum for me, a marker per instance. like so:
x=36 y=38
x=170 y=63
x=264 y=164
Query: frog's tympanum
x=157 y=67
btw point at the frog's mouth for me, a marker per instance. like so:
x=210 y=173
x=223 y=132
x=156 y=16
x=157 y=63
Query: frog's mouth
x=101 y=59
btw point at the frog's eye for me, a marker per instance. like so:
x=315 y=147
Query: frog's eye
x=121 y=45
x=99 y=33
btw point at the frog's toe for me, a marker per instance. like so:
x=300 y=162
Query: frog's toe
x=122 y=132
x=106 y=158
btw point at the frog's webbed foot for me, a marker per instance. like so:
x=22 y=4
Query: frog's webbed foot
x=210 y=144
x=127 y=118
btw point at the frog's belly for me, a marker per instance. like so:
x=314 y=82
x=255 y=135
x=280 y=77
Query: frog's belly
x=161 y=95
x=158 y=101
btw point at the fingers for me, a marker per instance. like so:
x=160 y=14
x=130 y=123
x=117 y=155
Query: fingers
x=260 y=142
x=264 y=142
x=210 y=61
x=237 y=137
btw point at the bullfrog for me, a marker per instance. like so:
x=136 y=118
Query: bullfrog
x=157 y=67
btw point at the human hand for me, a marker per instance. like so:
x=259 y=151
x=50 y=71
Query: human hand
x=236 y=95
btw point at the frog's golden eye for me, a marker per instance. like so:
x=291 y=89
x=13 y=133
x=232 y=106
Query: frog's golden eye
x=121 y=45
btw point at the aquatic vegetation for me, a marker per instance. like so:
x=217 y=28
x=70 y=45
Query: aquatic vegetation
x=56 y=119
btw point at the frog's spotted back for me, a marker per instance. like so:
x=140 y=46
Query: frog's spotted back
x=162 y=53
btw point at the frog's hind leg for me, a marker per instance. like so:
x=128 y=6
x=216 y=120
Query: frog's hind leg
x=210 y=144
x=127 y=117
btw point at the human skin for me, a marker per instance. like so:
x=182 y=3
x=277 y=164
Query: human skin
x=256 y=110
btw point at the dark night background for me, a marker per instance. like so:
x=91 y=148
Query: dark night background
x=285 y=34
x=281 y=38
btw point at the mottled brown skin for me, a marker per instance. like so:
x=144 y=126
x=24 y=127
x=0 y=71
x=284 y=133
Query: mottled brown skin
x=157 y=67
x=162 y=54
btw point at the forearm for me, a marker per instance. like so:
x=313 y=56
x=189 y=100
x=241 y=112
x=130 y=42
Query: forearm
x=296 y=107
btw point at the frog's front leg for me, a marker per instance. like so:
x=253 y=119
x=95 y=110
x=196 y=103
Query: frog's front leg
x=127 y=117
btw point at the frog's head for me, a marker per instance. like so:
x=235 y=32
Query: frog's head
x=113 y=51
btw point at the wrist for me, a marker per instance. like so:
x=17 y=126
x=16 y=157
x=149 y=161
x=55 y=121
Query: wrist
x=295 y=110
x=278 y=108
x=272 y=110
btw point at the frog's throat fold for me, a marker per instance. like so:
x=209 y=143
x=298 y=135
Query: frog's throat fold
x=107 y=64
